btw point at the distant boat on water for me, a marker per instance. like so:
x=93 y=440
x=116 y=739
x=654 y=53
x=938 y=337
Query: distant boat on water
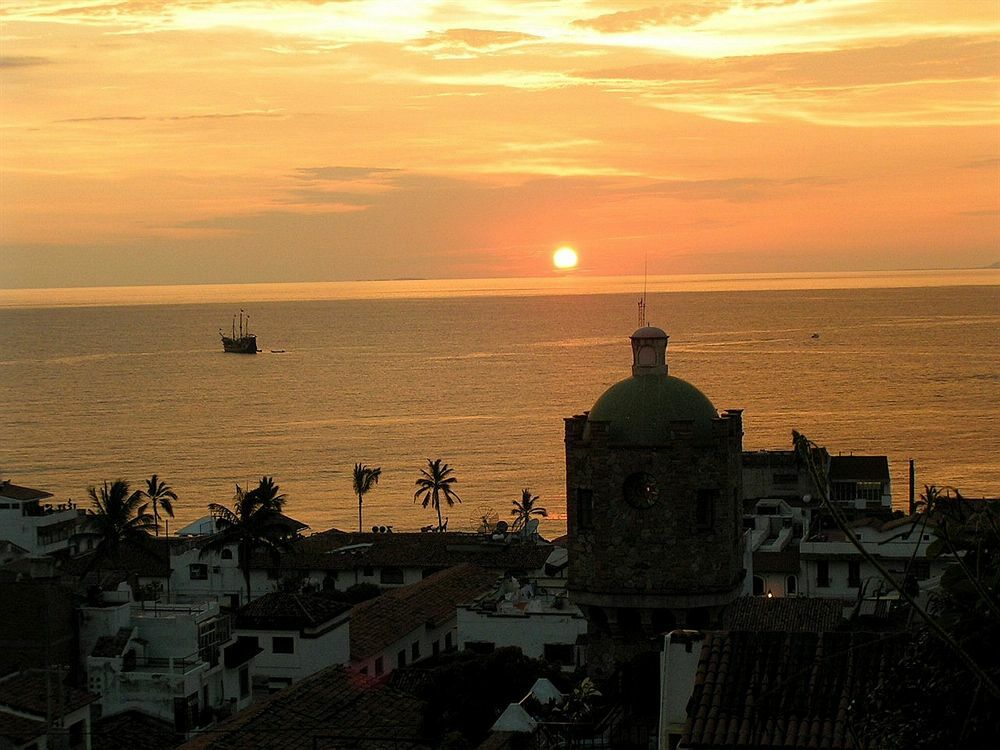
x=241 y=341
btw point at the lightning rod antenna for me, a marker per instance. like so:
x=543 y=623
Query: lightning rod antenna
x=642 y=302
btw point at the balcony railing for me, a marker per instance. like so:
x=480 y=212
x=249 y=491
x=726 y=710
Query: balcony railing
x=162 y=665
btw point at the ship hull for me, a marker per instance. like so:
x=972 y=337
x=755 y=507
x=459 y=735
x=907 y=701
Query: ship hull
x=241 y=345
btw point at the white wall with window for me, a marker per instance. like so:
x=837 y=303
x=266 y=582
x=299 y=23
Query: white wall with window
x=832 y=567
x=288 y=655
x=544 y=628
x=420 y=643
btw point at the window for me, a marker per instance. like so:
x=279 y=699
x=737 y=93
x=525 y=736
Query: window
x=435 y=648
x=823 y=574
x=198 y=571
x=368 y=571
x=854 y=574
x=921 y=569
x=558 y=653
x=401 y=659
x=785 y=478
x=391 y=575
x=758 y=586
x=449 y=644
x=227 y=554
x=584 y=508
x=379 y=666
x=791 y=585
x=414 y=650
x=704 y=509
x=282 y=644
x=245 y=681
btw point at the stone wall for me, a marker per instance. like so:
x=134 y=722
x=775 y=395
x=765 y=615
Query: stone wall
x=669 y=553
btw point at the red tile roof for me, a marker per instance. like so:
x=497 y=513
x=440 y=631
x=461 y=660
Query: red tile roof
x=786 y=614
x=859 y=469
x=132 y=730
x=333 y=708
x=287 y=611
x=29 y=692
x=22 y=494
x=380 y=622
x=339 y=550
x=19 y=730
x=784 y=690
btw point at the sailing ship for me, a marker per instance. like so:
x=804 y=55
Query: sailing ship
x=243 y=343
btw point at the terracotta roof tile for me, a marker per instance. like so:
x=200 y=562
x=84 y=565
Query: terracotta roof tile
x=22 y=494
x=379 y=622
x=340 y=550
x=786 y=614
x=19 y=730
x=330 y=709
x=859 y=469
x=133 y=730
x=28 y=692
x=290 y=611
x=783 y=690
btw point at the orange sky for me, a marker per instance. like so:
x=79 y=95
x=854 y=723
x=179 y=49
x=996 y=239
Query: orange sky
x=185 y=142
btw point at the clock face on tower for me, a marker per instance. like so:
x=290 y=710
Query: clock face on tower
x=640 y=490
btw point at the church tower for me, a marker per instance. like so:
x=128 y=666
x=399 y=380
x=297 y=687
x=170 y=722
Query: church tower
x=653 y=485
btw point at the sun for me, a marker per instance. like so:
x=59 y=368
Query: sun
x=564 y=258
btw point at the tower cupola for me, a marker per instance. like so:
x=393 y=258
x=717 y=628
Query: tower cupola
x=649 y=351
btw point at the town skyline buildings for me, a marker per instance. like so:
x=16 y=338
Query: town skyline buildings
x=213 y=142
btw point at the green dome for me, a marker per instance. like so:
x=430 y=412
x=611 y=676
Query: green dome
x=641 y=408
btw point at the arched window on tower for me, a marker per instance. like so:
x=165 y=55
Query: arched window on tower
x=758 y=586
x=791 y=585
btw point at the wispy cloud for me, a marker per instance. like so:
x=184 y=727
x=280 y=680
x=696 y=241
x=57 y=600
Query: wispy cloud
x=176 y=118
x=341 y=173
x=987 y=163
x=460 y=43
x=24 y=61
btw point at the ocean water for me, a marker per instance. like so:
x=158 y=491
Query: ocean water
x=102 y=384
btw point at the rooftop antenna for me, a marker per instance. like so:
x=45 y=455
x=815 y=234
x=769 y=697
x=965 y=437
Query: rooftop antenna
x=642 y=301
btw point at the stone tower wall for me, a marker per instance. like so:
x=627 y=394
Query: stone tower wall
x=671 y=552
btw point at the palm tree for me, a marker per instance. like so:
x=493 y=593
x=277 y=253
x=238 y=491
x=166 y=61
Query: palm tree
x=254 y=522
x=434 y=483
x=118 y=517
x=525 y=509
x=365 y=477
x=159 y=494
